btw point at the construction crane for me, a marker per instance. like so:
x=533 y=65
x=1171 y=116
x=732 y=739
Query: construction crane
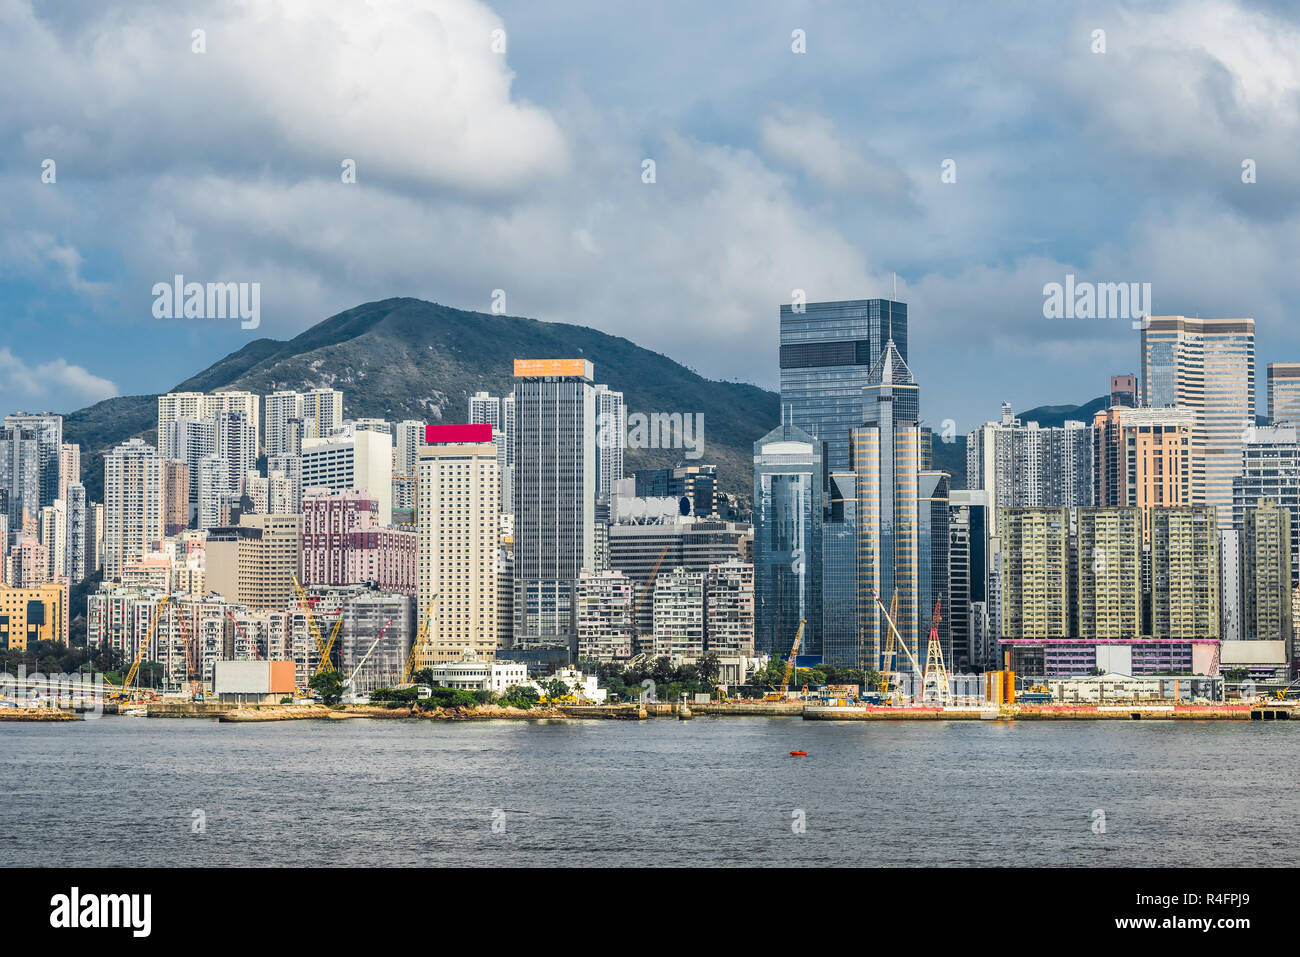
x=325 y=663
x=934 y=665
x=311 y=619
x=366 y=657
x=654 y=573
x=418 y=645
x=249 y=644
x=187 y=638
x=789 y=666
x=895 y=636
x=887 y=660
x=144 y=646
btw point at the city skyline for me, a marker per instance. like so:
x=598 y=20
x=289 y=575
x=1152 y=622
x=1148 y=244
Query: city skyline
x=839 y=195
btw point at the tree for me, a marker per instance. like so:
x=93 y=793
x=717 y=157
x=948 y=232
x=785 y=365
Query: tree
x=555 y=688
x=520 y=696
x=327 y=684
x=709 y=667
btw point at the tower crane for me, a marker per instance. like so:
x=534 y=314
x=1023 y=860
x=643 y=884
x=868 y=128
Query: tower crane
x=366 y=657
x=144 y=646
x=934 y=665
x=418 y=645
x=789 y=666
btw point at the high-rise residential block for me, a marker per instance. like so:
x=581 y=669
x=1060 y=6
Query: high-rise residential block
x=1267 y=572
x=1142 y=458
x=132 y=505
x=458 y=542
x=679 y=614
x=253 y=563
x=69 y=466
x=344 y=544
x=1108 y=591
x=611 y=438
x=604 y=613
x=322 y=412
x=1185 y=572
x=48 y=428
x=362 y=460
x=729 y=608
x=1034 y=573
x=1023 y=465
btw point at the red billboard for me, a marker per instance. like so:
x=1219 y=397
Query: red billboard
x=434 y=434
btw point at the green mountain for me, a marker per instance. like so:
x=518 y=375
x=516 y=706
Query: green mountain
x=410 y=359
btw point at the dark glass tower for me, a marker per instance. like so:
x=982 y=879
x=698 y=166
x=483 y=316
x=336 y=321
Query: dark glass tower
x=826 y=352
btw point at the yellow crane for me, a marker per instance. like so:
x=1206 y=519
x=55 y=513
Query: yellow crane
x=789 y=666
x=325 y=663
x=887 y=662
x=143 y=647
x=418 y=644
x=311 y=622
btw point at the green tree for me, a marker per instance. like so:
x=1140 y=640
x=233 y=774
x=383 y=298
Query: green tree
x=709 y=666
x=327 y=684
x=555 y=688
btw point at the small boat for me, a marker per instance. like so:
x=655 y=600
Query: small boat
x=136 y=712
x=798 y=754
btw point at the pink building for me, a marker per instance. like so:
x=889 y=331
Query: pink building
x=344 y=544
x=27 y=564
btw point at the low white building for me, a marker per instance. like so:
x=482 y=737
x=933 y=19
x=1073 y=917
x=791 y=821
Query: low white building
x=473 y=673
x=580 y=685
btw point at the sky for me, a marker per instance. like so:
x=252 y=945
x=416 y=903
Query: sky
x=500 y=150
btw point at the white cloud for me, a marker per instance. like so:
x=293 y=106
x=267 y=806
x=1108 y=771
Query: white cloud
x=55 y=384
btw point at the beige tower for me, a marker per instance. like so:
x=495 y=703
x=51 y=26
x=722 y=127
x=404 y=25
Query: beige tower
x=458 y=521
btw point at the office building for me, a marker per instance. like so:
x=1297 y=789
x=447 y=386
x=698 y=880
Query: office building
x=1208 y=366
x=1270 y=469
x=970 y=527
x=788 y=516
x=698 y=484
x=554 y=496
x=827 y=351
x=253 y=563
x=32 y=614
x=1284 y=393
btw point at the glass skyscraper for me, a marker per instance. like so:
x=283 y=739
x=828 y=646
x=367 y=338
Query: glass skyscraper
x=826 y=352
x=788 y=516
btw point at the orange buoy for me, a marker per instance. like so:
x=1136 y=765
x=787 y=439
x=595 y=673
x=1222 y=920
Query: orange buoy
x=798 y=754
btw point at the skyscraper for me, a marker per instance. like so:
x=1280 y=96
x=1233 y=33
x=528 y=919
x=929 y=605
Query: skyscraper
x=1270 y=469
x=827 y=351
x=554 y=496
x=901 y=512
x=20 y=474
x=1143 y=458
x=969 y=538
x=1023 y=465
x=1185 y=572
x=1108 y=600
x=1284 y=393
x=788 y=516
x=281 y=409
x=1208 y=366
